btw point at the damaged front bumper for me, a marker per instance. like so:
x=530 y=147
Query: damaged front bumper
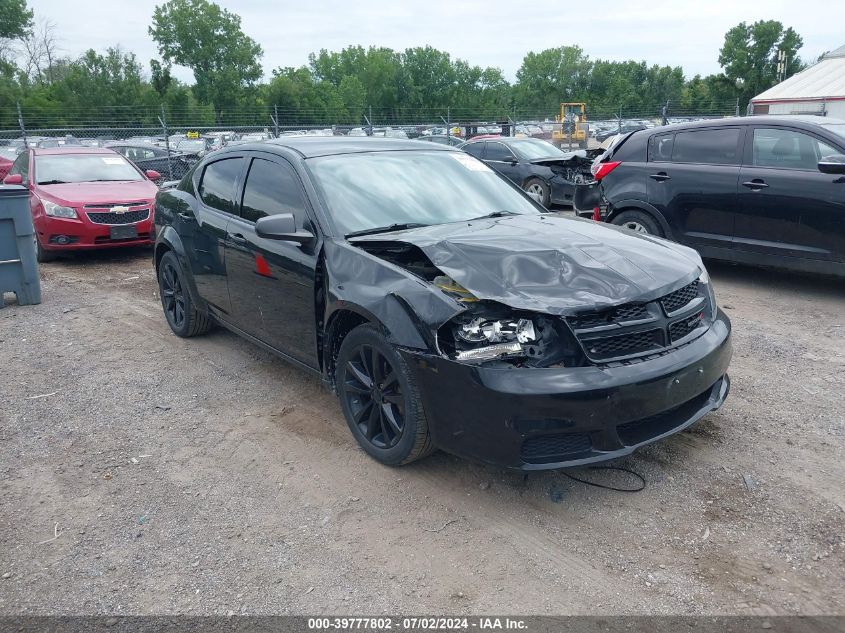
x=535 y=419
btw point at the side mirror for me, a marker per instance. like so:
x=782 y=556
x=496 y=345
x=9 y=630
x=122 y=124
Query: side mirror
x=152 y=174
x=834 y=164
x=13 y=179
x=281 y=227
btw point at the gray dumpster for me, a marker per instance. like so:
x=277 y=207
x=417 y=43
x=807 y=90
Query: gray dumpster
x=18 y=263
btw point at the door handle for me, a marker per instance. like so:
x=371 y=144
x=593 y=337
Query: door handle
x=660 y=177
x=755 y=184
x=237 y=238
x=186 y=216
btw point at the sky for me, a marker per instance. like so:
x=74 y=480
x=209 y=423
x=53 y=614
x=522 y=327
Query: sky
x=483 y=32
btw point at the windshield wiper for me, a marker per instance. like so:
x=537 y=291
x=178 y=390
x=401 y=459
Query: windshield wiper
x=495 y=214
x=386 y=229
x=52 y=182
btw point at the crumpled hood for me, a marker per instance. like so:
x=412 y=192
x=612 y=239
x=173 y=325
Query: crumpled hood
x=552 y=264
x=77 y=194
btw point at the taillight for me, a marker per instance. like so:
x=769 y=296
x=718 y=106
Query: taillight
x=596 y=214
x=600 y=170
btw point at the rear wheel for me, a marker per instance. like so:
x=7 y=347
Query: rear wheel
x=539 y=188
x=380 y=399
x=638 y=222
x=179 y=310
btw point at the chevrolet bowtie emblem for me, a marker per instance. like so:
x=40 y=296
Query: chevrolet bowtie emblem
x=120 y=210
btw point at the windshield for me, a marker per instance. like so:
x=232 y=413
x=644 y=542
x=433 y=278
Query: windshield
x=530 y=149
x=83 y=168
x=191 y=145
x=365 y=191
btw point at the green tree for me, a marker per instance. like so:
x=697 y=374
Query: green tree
x=551 y=76
x=15 y=19
x=209 y=40
x=749 y=55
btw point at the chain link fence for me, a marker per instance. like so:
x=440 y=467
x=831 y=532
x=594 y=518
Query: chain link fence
x=170 y=139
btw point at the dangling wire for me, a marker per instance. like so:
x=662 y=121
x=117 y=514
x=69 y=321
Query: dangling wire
x=605 y=486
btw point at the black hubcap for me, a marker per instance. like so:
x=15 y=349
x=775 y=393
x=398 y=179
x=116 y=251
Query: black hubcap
x=372 y=391
x=172 y=296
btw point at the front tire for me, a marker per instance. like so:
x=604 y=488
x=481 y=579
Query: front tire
x=380 y=399
x=537 y=186
x=179 y=310
x=42 y=255
x=638 y=222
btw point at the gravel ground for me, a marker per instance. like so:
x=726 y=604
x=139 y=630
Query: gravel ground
x=145 y=474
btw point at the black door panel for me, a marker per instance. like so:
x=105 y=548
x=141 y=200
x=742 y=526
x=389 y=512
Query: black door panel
x=797 y=214
x=271 y=282
x=698 y=201
x=786 y=206
x=204 y=233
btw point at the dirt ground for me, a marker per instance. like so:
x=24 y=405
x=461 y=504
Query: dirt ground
x=145 y=474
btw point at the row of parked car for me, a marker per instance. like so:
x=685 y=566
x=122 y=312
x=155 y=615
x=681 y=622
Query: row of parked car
x=748 y=189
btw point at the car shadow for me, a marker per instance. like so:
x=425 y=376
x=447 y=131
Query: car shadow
x=787 y=282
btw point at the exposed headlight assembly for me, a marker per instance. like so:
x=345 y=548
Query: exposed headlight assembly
x=57 y=210
x=490 y=331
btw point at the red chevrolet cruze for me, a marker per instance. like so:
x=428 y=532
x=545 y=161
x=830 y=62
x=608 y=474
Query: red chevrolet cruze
x=85 y=198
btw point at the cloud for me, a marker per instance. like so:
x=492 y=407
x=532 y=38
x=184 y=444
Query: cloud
x=483 y=32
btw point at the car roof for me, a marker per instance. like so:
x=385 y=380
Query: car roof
x=313 y=146
x=507 y=140
x=764 y=119
x=74 y=149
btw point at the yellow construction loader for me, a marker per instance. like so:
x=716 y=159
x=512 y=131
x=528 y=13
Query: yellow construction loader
x=573 y=131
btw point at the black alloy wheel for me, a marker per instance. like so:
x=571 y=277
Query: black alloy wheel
x=374 y=396
x=380 y=398
x=172 y=295
x=182 y=317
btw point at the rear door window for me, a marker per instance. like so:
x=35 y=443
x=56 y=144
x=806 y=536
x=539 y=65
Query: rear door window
x=217 y=187
x=710 y=147
x=476 y=149
x=787 y=149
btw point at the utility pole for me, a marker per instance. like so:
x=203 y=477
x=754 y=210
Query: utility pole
x=448 y=123
x=737 y=106
x=275 y=118
x=370 y=120
x=781 y=69
x=163 y=122
x=20 y=123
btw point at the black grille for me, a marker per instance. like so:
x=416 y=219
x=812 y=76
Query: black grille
x=623 y=313
x=554 y=448
x=676 y=300
x=130 y=217
x=639 y=431
x=679 y=329
x=624 y=344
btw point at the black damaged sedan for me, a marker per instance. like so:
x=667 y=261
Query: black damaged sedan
x=443 y=306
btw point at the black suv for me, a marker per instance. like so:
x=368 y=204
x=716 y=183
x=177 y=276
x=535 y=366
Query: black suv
x=441 y=303
x=760 y=190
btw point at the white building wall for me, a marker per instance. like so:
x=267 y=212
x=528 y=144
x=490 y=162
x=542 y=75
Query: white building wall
x=833 y=109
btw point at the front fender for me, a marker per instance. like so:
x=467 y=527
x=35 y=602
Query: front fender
x=408 y=309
